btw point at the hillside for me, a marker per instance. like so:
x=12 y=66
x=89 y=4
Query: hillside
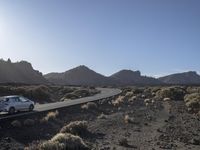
x=80 y=75
x=20 y=72
x=190 y=77
x=129 y=77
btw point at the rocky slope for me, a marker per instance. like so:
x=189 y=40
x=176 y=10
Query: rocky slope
x=190 y=77
x=82 y=75
x=20 y=72
x=129 y=77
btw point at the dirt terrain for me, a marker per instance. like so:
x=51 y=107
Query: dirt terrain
x=139 y=121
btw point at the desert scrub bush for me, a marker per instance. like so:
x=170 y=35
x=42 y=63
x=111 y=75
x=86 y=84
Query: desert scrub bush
x=102 y=116
x=133 y=98
x=64 y=142
x=67 y=90
x=167 y=99
x=128 y=95
x=89 y=105
x=76 y=128
x=191 y=90
x=5 y=90
x=125 y=90
x=174 y=93
x=94 y=91
x=147 y=92
x=29 y=122
x=192 y=101
x=82 y=93
x=155 y=89
x=70 y=96
x=118 y=101
x=128 y=119
x=137 y=90
x=50 y=116
x=50 y=145
x=16 y=124
x=147 y=100
x=39 y=92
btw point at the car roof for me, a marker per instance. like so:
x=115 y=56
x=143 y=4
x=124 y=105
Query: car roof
x=11 y=96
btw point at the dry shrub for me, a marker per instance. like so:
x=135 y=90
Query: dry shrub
x=118 y=101
x=174 y=93
x=127 y=119
x=191 y=90
x=70 y=96
x=37 y=93
x=155 y=89
x=129 y=94
x=125 y=90
x=16 y=124
x=5 y=90
x=51 y=116
x=167 y=99
x=82 y=93
x=76 y=128
x=138 y=90
x=66 y=90
x=89 y=105
x=29 y=122
x=192 y=101
x=133 y=98
x=51 y=145
x=64 y=142
x=147 y=100
x=94 y=91
x=102 y=116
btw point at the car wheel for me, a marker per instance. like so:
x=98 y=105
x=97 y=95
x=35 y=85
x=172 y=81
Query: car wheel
x=31 y=107
x=11 y=110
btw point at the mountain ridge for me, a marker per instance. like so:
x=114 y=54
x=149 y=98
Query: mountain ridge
x=23 y=72
x=123 y=77
x=189 y=77
x=20 y=72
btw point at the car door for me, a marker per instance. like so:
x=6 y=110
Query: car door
x=24 y=103
x=17 y=103
x=13 y=102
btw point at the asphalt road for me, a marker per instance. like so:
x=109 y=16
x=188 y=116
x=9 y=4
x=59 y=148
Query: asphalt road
x=105 y=93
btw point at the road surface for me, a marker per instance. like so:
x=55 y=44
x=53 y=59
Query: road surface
x=105 y=93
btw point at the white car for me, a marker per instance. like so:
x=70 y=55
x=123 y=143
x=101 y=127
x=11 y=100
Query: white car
x=12 y=104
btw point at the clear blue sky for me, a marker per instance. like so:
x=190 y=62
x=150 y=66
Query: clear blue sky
x=154 y=36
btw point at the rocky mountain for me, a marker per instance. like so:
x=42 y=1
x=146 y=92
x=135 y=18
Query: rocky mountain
x=129 y=77
x=20 y=72
x=184 y=78
x=80 y=75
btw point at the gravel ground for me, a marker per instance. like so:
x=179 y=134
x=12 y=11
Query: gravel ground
x=160 y=125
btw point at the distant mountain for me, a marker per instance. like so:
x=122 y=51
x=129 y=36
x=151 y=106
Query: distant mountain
x=129 y=77
x=20 y=72
x=184 y=78
x=80 y=75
